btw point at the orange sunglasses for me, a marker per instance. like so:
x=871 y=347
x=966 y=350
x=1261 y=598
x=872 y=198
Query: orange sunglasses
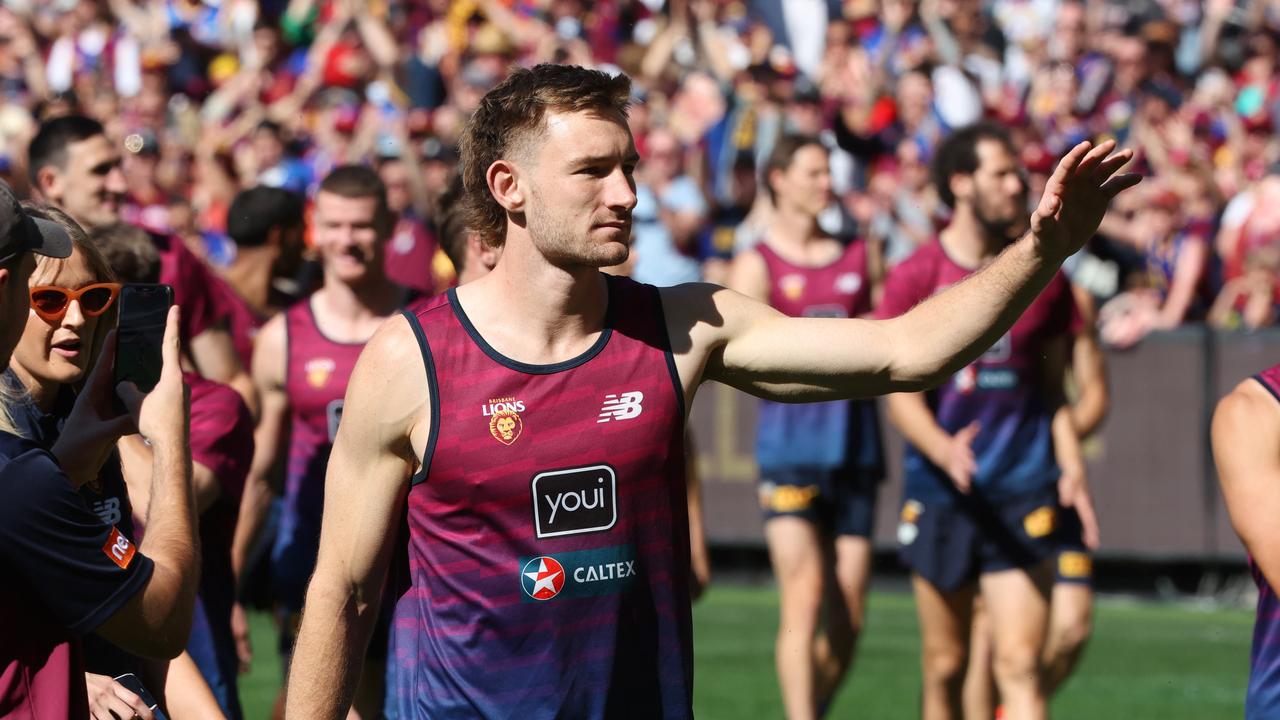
x=51 y=302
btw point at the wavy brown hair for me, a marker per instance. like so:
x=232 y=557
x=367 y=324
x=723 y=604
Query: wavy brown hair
x=504 y=125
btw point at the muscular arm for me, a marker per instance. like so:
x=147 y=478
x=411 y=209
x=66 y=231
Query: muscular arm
x=269 y=361
x=215 y=358
x=384 y=428
x=721 y=335
x=1246 y=448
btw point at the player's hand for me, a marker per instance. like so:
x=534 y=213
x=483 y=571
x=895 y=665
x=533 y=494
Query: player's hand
x=960 y=462
x=109 y=700
x=240 y=631
x=1073 y=492
x=162 y=415
x=95 y=422
x=1077 y=195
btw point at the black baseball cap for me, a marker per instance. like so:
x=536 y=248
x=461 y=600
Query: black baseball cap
x=19 y=232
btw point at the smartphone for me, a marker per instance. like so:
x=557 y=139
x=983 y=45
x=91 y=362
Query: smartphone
x=131 y=683
x=140 y=325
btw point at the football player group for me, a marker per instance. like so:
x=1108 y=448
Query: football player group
x=486 y=505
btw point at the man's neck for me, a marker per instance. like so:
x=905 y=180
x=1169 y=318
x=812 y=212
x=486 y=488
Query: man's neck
x=250 y=276
x=375 y=296
x=559 y=310
x=969 y=242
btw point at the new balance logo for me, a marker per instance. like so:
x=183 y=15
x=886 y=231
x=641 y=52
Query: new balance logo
x=621 y=407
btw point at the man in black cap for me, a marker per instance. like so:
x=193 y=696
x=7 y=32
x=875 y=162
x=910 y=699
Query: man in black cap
x=67 y=573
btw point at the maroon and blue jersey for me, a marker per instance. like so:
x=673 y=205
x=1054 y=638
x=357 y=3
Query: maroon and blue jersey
x=547 y=529
x=318 y=369
x=840 y=434
x=1004 y=390
x=1263 y=699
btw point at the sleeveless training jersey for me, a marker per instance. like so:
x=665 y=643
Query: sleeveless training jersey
x=316 y=382
x=822 y=435
x=1002 y=390
x=547 y=531
x=1263 y=699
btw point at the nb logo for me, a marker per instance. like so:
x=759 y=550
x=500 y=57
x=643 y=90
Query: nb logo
x=621 y=407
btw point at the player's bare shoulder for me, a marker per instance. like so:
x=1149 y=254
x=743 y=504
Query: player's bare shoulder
x=1249 y=409
x=701 y=319
x=389 y=389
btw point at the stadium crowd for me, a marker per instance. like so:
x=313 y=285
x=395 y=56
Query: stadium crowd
x=193 y=141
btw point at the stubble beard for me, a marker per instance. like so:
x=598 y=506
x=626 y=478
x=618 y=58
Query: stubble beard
x=562 y=248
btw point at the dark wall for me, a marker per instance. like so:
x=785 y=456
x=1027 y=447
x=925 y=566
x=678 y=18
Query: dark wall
x=1150 y=465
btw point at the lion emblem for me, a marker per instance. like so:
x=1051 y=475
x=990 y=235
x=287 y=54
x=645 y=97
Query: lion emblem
x=505 y=426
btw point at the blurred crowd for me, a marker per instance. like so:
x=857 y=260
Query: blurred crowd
x=215 y=96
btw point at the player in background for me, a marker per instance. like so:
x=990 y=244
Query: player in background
x=77 y=169
x=820 y=463
x=1246 y=449
x=992 y=453
x=412 y=250
x=471 y=257
x=266 y=224
x=1071 y=602
x=302 y=361
x=528 y=426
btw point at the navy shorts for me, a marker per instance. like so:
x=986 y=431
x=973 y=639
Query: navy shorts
x=1075 y=562
x=950 y=544
x=842 y=501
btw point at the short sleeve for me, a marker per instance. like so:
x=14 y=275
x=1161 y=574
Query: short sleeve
x=52 y=544
x=221 y=434
x=193 y=289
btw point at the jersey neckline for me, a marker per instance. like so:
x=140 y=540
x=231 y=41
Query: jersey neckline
x=531 y=368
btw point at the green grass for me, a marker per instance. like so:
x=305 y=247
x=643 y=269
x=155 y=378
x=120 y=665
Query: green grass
x=1167 y=661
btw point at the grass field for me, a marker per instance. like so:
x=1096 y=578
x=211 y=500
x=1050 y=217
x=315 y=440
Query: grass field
x=1165 y=661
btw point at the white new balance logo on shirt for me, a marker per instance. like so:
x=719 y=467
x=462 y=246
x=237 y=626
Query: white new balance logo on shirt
x=621 y=407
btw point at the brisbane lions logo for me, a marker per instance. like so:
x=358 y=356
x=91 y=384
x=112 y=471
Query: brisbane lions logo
x=505 y=426
x=504 y=419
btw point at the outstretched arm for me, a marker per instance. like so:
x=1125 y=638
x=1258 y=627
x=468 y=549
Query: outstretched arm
x=373 y=457
x=721 y=335
x=1246 y=448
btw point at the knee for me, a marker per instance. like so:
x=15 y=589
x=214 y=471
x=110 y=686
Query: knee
x=1019 y=664
x=945 y=666
x=1070 y=636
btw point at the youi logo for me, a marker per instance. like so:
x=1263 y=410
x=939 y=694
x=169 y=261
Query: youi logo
x=574 y=501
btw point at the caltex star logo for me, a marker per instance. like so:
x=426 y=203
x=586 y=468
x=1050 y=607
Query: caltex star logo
x=542 y=578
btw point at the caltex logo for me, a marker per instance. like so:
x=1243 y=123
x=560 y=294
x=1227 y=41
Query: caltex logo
x=542 y=578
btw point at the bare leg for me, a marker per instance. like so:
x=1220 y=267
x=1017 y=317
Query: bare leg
x=846 y=610
x=1070 y=625
x=1017 y=604
x=979 y=683
x=796 y=551
x=945 y=619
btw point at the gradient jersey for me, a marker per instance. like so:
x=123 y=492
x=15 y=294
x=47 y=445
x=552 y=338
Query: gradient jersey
x=1003 y=390
x=316 y=382
x=1263 y=699
x=547 y=532
x=825 y=435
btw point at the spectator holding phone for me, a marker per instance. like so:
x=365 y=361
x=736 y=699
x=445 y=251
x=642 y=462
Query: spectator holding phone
x=138 y=597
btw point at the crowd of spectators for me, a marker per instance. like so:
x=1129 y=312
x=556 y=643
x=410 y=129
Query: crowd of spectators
x=210 y=97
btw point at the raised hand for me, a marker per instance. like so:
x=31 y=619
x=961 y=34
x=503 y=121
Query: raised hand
x=1077 y=196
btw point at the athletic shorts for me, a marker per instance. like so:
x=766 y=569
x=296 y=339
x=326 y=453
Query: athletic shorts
x=842 y=501
x=951 y=544
x=1075 y=562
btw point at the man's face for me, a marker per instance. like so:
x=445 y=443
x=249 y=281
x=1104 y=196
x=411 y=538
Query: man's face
x=579 y=180
x=348 y=235
x=996 y=190
x=396 y=177
x=92 y=185
x=17 y=304
x=806 y=183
